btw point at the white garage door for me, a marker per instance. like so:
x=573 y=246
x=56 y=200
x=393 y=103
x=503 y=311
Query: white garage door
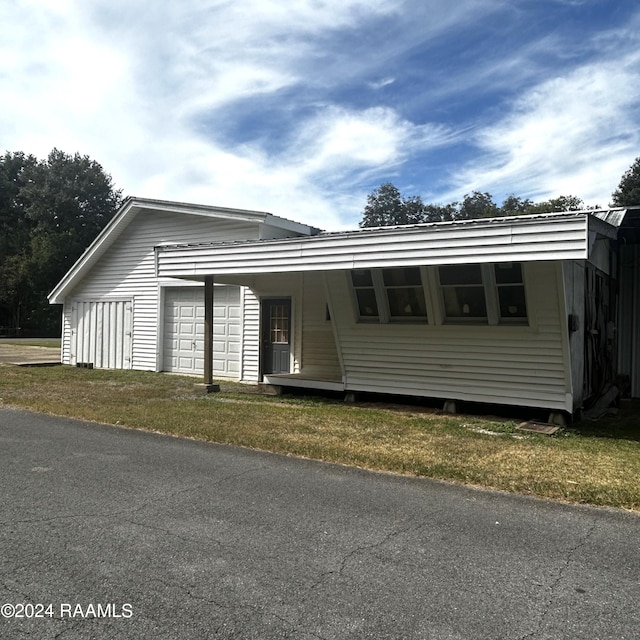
x=184 y=331
x=101 y=333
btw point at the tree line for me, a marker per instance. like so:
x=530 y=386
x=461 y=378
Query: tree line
x=387 y=206
x=50 y=211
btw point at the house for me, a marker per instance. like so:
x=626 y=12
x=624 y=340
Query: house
x=119 y=314
x=535 y=310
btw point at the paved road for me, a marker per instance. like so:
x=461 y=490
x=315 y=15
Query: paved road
x=170 y=538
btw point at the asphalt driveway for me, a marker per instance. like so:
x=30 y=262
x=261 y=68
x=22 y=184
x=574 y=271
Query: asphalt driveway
x=128 y=534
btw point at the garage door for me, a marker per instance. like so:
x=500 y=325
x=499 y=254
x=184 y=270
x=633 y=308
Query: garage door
x=184 y=331
x=101 y=334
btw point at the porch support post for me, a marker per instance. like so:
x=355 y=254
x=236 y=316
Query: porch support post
x=208 y=386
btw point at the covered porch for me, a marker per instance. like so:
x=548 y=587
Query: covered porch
x=384 y=311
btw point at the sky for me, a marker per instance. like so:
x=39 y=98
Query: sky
x=302 y=107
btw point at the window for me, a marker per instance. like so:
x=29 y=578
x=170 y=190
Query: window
x=279 y=324
x=362 y=281
x=510 y=286
x=485 y=293
x=389 y=295
x=405 y=295
x=463 y=292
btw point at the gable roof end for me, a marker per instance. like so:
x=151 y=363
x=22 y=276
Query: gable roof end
x=132 y=206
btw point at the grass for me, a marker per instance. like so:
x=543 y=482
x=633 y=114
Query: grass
x=595 y=463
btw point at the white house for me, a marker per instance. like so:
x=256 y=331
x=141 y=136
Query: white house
x=519 y=311
x=119 y=314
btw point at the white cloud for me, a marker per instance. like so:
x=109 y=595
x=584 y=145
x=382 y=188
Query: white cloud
x=377 y=137
x=126 y=85
x=567 y=135
x=127 y=88
x=147 y=89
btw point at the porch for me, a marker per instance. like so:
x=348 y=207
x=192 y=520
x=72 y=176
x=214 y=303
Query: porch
x=304 y=381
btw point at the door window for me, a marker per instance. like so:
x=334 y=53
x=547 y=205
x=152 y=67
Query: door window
x=279 y=324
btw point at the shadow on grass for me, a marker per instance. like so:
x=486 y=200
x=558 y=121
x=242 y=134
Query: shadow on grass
x=624 y=425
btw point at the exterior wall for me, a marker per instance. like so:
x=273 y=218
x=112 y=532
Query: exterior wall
x=314 y=351
x=128 y=271
x=250 y=357
x=319 y=353
x=514 y=365
x=285 y=286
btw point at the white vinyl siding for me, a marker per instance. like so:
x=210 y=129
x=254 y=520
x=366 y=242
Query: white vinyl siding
x=128 y=270
x=517 y=365
x=250 y=361
x=319 y=354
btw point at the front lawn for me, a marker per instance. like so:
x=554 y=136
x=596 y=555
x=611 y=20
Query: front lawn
x=595 y=463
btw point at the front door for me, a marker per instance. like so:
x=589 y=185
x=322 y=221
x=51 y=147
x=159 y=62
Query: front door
x=276 y=335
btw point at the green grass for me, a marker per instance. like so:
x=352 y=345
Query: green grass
x=595 y=463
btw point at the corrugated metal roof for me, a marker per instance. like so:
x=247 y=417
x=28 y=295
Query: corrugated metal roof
x=614 y=217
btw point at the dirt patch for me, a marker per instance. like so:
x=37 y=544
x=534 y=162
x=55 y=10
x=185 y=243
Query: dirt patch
x=30 y=355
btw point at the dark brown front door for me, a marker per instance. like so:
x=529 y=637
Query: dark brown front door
x=276 y=335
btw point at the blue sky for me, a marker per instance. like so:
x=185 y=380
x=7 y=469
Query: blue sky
x=303 y=107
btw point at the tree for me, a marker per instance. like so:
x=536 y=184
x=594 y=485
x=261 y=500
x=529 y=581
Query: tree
x=386 y=206
x=440 y=213
x=50 y=211
x=515 y=206
x=561 y=203
x=477 y=205
x=628 y=192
